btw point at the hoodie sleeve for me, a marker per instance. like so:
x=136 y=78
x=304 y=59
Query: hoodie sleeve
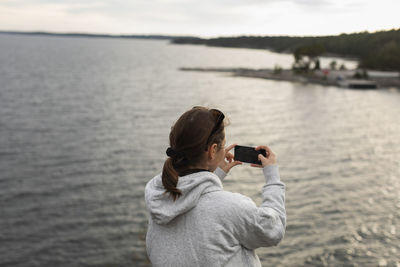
x=262 y=226
x=220 y=173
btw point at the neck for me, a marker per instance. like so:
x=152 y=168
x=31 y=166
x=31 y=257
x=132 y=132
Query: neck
x=199 y=166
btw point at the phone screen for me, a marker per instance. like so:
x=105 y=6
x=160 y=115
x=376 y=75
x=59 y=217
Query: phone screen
x=248 y=154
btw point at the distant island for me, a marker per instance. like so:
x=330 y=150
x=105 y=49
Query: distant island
x=378 y=50
x=156 y=37
x=354 y=79
x=374 y=51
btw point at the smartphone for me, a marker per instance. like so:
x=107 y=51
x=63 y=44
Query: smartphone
x=248 y=154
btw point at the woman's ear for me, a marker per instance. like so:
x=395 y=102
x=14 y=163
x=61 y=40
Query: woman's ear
x=212 y=151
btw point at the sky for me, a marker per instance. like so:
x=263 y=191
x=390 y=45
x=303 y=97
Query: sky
x=203 y=18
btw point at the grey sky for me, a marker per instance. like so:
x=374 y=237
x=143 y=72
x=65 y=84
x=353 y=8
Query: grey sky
x=202 y=18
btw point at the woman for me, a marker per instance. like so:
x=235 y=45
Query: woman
x=193 y=221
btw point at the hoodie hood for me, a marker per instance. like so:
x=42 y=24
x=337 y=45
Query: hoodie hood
x=161 y=205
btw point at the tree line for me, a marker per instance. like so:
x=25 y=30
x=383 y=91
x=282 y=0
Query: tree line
x=377 y=50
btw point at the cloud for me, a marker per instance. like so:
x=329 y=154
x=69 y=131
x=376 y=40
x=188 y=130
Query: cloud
x=206 y=17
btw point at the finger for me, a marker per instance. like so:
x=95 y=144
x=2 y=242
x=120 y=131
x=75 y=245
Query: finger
x=229 y=155
x=230 y=147
x=269 y=150
x=262 y=147
x=234 y=163
x=255 y=165
x=266 y=148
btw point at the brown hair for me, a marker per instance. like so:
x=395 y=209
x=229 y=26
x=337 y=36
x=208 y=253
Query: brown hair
x=189 y=138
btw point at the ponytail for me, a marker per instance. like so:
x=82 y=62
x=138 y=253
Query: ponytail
x=170 y=179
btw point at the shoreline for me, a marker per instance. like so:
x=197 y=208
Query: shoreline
x=332 y=78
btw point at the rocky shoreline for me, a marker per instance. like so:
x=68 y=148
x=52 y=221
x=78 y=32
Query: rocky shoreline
x=340 y=78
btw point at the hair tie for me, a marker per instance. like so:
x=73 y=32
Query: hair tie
x=179 y=158
x=170 y=152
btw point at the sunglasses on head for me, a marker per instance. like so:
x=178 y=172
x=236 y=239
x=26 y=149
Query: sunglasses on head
x=220 y=118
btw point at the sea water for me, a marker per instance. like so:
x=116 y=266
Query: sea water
x=84 y=124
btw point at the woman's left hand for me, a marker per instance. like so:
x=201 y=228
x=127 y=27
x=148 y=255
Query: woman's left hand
x=227 y=163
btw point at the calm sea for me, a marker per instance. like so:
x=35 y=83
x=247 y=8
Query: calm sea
x=84 y=124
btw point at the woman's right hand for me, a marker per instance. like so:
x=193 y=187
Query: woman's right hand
x=270 y=159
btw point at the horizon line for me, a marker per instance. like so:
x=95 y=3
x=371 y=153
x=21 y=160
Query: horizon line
x=171 y=36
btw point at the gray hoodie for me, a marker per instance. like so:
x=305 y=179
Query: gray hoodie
x=208 y=226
